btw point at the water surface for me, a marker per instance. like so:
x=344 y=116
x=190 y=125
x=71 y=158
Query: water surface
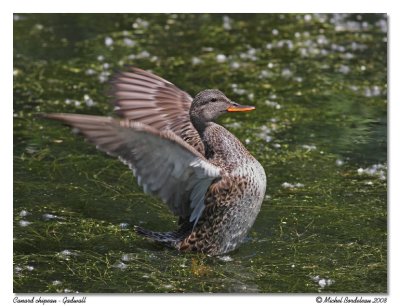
x=319 y=82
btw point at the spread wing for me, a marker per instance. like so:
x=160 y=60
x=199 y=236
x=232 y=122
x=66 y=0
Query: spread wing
x=165 y=165
x=141 y=96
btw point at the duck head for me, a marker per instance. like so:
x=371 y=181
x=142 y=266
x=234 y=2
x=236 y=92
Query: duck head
x=209 y=104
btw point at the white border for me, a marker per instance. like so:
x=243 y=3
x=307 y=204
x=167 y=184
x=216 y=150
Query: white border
x=222 y=6
x=295 y=6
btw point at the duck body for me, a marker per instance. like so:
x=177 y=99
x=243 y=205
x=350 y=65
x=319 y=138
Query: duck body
x=198 y=168
x=232 y=202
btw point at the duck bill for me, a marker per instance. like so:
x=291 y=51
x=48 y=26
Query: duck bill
x=240 y=108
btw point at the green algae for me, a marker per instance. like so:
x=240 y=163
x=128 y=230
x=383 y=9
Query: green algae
x=319 y=85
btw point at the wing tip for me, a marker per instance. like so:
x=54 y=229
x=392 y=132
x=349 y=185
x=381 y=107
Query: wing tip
x=54 y=116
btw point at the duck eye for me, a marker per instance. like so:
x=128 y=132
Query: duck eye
x=213 y=99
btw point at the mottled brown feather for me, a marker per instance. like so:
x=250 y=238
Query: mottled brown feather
x=141 y=96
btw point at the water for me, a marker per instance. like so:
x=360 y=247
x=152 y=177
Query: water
x=319 y=83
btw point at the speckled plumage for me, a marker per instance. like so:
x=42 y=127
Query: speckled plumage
x=179 y=154
x=234 y=201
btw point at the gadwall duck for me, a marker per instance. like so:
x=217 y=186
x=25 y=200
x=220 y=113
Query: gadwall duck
x=178 y=153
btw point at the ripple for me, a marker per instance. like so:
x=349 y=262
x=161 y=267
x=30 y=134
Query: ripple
x=344 y=69
x=30 y=268
x=265 y=133
x=24 y=213
x=322 y=282
x=292 y=186
x=124 y=225
x=140 y=24
x=120 y=265
x=129 y=42
x=196 y=61
x=225 y=258
x=227 y=23
x=377 y=170
x=90 y=71
x=339 y=162
x=286 y=73
x=235 y=65
x=234 y=125
x=108 y=41
x=128 y=257
x=220 y=58
x=88 y=100
x=67 y=254
x=24 y=223
x=373 y=91
x=309 y=147
x=273 y=104
x=47 y=217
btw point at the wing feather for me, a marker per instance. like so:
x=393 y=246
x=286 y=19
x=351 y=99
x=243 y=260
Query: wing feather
x=164 y=164
x=141 y=96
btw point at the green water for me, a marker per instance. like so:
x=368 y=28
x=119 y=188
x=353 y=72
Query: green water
x=319 y=84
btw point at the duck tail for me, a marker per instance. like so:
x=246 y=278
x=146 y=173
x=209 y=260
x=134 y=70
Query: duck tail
x=166 y=238
x=170 y=239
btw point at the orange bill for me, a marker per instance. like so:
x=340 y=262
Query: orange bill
x=240 y=108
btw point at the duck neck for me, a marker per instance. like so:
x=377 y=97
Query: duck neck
x=205 y=131
x=199 y=123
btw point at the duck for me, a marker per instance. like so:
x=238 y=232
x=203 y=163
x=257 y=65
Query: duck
x=178 y=153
